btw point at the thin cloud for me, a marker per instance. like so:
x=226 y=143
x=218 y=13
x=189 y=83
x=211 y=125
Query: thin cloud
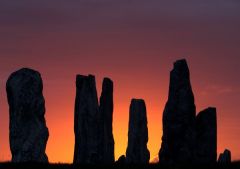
x=219 y=89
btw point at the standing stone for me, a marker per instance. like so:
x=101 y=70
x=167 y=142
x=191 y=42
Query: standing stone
x=121 y=160
x=225 y=157
x=137 y=152
x=106 y=112
x=178 y=141
x=206 y=127
x=86 y=121
x=28 y=131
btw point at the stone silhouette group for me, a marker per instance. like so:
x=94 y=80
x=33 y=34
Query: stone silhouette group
x=187 y=137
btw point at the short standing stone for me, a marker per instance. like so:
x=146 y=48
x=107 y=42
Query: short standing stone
x=137 y=152
x=225 y=157
x=28 y=131
x=206 y=127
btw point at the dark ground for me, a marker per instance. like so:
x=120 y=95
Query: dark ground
x=7 y=165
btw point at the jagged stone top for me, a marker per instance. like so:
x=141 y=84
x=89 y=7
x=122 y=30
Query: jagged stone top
x=86 y=120
x=180 y=88
x=180 y=77
x=89 y=78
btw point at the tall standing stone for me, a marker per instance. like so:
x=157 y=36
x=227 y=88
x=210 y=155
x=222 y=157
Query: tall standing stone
x=28 y=131
x=86 y=121
x=137 y=152
x=178 y=141
x=106 y=112
x=206 y=127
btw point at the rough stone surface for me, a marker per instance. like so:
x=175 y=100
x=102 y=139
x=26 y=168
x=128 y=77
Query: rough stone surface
x=137 y=151
x=86 y=121
x=28 y=131
x=206 y=127
x=178 y=141
x=225 y=157
x=106 y=112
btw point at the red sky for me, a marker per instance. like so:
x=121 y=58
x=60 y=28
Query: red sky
x=135 y=44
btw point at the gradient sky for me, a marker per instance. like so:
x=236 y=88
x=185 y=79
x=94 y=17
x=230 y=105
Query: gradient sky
x=134 y=42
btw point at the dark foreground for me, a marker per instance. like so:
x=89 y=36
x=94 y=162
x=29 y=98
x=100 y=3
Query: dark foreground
x=8 y=165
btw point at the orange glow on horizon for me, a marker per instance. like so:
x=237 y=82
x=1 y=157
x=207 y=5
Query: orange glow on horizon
x=62 y=150
x=60 y=97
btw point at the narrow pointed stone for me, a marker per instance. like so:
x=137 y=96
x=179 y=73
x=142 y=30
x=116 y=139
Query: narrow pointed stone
x=106 y=112
x=137 y=152
x=86 y=121
x=178 y=140
x=28 y=131
x=206 y=127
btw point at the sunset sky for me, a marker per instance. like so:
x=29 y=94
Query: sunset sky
x=133 y=42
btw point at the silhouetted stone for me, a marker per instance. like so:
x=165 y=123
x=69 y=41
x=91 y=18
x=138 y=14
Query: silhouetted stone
x=206 y=125
x=178 y=141
x=106 y=111
x=121 y=160
x=137 y=152
x=225 y=157
x=86 y=121
x=28 y=131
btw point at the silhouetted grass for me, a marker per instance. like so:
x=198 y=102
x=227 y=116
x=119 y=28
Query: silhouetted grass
x=8 y=165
